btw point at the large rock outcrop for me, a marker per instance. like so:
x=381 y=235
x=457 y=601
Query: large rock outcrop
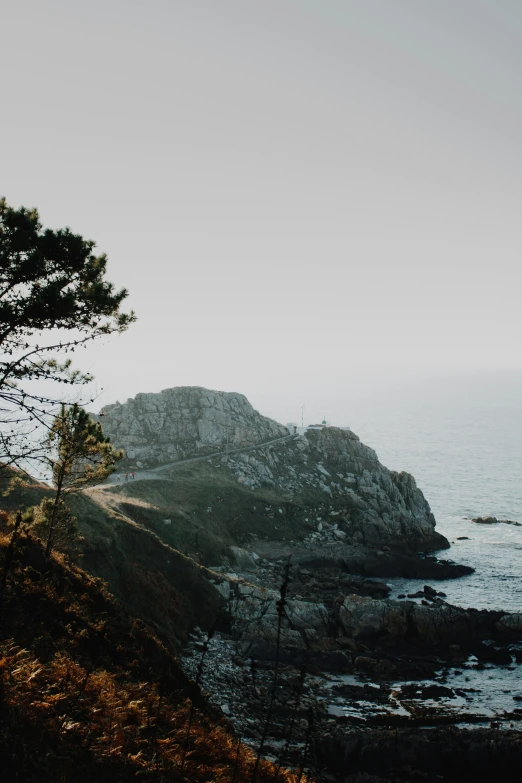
x=347 y=495
x=365 y=618
x=185 y=421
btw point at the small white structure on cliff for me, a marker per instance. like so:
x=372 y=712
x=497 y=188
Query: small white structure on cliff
x=295 y=429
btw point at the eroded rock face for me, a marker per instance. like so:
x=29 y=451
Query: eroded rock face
x=348 y=494
x=185 y=421
x=255 y=615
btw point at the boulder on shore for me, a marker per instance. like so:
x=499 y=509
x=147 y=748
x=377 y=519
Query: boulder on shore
x=367 y=618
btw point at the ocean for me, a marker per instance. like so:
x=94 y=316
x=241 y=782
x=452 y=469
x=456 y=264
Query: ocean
x=461 y=438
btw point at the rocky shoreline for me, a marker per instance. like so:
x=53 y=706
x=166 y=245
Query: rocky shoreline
x=335 y=708
x=341 y=655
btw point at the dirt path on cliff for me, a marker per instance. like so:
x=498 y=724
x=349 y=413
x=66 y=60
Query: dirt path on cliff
x=118 y=479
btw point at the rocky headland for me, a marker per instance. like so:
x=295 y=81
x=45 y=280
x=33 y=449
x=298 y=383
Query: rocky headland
x=325 y=488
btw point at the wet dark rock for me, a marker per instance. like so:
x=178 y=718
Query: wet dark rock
x=447 y=754
x=500 y=657
x=385 y=669
x=362 y=662
x=354 y=559
x=457 y=654
x=346 y=644
x=488 y=654
x=437 y=692
x=510 y=625
x=329 y=661
x=485 y=520
x=427 y=593
x=433 y=692
x=369 y=619
x=495 y=521
x=363 y=693
x=379 y=668
x=409 y=566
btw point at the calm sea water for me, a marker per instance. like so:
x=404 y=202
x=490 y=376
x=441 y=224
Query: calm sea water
x=462 y=440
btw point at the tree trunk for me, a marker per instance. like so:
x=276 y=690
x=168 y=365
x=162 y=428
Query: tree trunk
x=8 y=560
x=52 y=520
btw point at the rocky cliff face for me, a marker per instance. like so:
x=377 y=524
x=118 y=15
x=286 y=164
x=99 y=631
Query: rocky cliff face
x=349 y=496
x=185 y=421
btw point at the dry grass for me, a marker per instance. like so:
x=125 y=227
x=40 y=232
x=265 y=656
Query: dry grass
x=86 y=692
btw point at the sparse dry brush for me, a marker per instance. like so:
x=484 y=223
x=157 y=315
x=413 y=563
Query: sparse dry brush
x=86 y=692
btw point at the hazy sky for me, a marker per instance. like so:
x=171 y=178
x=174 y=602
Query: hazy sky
x=305 y=198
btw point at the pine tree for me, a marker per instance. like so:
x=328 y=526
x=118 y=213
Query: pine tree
x=53 y=298
x=80 y=456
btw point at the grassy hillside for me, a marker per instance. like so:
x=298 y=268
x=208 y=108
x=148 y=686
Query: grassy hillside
x=201 y=510
x=87 y=692
x=29 y=493
x=151 y=577
x=118 y=543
